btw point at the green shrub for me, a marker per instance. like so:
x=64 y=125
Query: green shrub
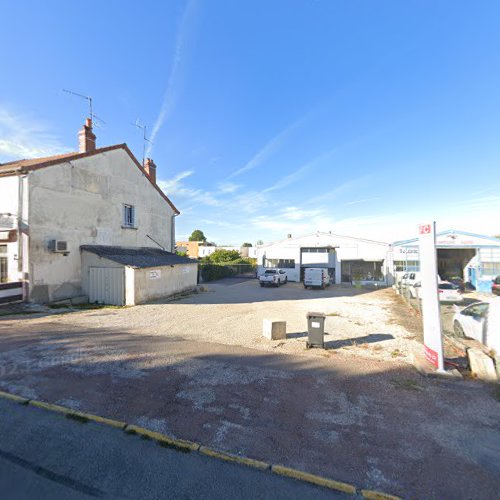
x=211 y=272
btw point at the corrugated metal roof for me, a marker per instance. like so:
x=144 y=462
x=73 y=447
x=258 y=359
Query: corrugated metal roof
x=140 y=257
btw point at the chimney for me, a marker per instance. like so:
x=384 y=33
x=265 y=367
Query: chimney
x=150 y=168
x=86 y=138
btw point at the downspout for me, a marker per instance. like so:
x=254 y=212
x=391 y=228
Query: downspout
x=172 y=232
x=22 y=259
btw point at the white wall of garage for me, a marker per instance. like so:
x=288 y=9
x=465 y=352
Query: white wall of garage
x=346 y=248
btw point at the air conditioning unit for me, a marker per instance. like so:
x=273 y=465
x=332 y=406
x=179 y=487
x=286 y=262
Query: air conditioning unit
x=58 y=246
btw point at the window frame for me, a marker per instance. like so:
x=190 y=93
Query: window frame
x=129 y=222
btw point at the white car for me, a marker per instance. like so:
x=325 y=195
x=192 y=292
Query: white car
x=275 y=277
x=448 y=292
x=471 y=321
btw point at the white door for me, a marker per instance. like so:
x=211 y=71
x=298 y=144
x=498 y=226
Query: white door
x=107 y=285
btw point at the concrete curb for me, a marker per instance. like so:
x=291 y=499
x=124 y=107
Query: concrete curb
x=190 y=446
x=229 y=457
x=377 y=495
x=312 y=478
x=162 y=439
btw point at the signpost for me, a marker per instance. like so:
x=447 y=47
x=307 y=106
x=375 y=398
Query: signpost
x=433 y=341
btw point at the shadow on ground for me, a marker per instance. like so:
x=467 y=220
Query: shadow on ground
x=376 y=424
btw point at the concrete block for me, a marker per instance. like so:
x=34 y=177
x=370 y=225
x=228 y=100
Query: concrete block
x=481 y=365
x=274 y=329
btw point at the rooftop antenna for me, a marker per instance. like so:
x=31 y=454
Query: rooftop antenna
x=92 y=115
x=144 y=138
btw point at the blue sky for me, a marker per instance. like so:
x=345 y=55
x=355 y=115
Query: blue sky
x=274 y=117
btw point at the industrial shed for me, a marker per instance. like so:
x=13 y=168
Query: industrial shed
x=128 y=276
x=348 y=259
x=473 y=257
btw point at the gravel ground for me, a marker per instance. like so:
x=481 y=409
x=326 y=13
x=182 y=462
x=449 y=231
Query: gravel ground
x=359 y=414
x=369 y=323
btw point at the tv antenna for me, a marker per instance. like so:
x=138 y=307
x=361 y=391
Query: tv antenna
x=93 y=117
x=144 y=138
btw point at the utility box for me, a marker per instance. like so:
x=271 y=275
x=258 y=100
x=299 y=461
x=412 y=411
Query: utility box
x=316 y=329
x=274 y=329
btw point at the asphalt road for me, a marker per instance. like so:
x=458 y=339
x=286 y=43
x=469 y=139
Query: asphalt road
x=45 y=455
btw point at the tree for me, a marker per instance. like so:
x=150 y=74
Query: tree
x=260 y=242
x=197 y=235
x=222 y=255
x=245 y=245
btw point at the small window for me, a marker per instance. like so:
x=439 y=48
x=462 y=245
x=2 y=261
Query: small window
x=128 y=216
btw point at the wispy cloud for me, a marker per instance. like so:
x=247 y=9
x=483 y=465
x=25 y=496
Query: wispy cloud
x=171 y=90
x=334 y=193
x=363 y=200
x=26 y=137
x=298 y=174
x=175 y=187
x=290 y=178
x=228 y=187
x=270 y=147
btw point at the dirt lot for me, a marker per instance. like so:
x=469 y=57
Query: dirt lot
x=198 y=368
x=377 y=324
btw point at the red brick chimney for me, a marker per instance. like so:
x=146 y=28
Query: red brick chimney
x=86 y=138
x=150 y=168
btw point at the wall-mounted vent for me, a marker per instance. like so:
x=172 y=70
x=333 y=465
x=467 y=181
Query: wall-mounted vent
x=58 y=246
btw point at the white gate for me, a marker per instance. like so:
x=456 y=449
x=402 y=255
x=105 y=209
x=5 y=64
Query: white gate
x=107 y=285
x=11 y=292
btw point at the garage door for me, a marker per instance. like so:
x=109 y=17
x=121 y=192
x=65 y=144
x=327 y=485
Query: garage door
x=107 y=285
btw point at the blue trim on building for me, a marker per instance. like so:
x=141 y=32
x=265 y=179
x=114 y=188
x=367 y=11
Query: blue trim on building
x=452 y=231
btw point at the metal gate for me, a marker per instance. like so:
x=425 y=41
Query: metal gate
x=11 y=292
x=107 y=285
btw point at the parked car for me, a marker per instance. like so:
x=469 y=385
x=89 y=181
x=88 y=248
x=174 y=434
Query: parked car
x=495 y=286
x=409 y=279
x=448 y=292
x=456 y=280
x=274 y=277
x=316 y=277
x=470 y=322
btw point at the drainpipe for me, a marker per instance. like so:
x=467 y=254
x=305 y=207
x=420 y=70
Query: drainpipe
x=22 y=259
x=172 y=233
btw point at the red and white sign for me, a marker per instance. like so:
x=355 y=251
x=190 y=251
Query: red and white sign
x=433 y=341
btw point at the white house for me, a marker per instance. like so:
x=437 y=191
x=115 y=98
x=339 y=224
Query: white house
x=348 y=259
x=51 y=208
x=205 y=251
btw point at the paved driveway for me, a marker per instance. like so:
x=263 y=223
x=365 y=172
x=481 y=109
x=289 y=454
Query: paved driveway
x=371 y=422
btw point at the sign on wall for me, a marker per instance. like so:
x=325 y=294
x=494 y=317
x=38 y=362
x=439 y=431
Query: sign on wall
x=154 y=275
x=433 y=341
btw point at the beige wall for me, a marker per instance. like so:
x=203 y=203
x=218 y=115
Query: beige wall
x=172 y=280
x=81 y=202
x=139 y=285
x=192 y=248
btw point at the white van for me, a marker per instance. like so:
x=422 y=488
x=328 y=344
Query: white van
x=317 y=277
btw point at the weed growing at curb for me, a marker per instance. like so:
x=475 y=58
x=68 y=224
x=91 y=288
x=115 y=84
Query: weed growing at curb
x=173 y=446
x=406 y=383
